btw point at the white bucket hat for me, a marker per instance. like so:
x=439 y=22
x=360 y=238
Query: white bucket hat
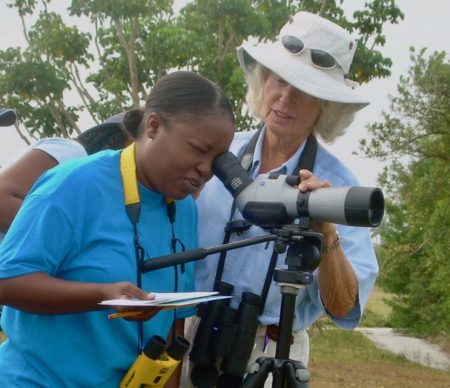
x=298 y=69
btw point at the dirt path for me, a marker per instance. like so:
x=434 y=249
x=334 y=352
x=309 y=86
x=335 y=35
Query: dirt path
x=413 y=349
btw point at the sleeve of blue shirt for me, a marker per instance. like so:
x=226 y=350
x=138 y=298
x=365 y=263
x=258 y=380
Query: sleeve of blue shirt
x=38 y=241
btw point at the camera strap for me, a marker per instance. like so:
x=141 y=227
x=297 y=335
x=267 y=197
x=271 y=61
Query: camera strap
x=306 y=161
x=133 y=209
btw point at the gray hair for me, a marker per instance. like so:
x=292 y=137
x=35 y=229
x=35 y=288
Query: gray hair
x=334 y=117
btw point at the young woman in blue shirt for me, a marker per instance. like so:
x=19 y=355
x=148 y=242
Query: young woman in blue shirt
x=73 y=244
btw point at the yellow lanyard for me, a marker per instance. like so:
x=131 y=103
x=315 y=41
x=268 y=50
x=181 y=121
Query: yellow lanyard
x=130 y=186
x=133 y=209
x=129 y=181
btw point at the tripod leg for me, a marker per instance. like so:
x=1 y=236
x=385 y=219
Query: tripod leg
x=285 y=330
x=286 y=321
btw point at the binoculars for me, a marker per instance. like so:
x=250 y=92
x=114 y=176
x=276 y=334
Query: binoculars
x=224 y=340
x=156 y=364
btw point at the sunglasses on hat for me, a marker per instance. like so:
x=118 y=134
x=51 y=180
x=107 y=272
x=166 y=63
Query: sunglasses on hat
x=319 y=58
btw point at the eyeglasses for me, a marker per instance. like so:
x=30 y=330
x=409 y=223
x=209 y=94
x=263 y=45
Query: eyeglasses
x=319 y=58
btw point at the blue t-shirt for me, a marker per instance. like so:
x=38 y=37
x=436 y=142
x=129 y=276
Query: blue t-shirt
x=73 y=226
x=246 y=267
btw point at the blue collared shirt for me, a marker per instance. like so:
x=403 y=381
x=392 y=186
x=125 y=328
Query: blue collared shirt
x=246 y=267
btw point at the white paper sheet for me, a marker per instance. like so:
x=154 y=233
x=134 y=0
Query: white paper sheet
x=167 y=299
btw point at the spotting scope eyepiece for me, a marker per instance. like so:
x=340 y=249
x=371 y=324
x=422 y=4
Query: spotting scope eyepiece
x=274 y=200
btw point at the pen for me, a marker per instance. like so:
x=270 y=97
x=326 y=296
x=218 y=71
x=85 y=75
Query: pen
x=125 y=314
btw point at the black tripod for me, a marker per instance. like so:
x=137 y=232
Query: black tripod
x=303 y=257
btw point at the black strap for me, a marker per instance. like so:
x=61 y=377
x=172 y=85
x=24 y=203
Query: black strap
x=308 y=156
x=306 y=161
x=247 y=155
x=268 y=280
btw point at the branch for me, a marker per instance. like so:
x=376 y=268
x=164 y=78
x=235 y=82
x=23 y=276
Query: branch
x=322 y=7
x=135 y=77
x=424 y=243
x=99 y=52
x=219 y=47
x=419 y=137
x=229 y=42
x=97 y=46
x=24 y=29
x=57 y=117
x=419 y=248
x=222 y=52
x=21 y=135
x=68 y=117
x=129 y=51
x=85 y=96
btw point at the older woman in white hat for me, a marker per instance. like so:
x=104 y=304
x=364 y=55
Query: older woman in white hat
x=297 y=87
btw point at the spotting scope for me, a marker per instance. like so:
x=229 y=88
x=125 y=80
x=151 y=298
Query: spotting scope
x=273 y=200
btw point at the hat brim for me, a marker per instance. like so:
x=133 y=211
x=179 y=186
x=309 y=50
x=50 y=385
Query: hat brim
x=7 y=117
x=325 y=84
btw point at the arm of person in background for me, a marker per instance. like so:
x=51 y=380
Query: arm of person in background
x=16 y=181
x=338 y=284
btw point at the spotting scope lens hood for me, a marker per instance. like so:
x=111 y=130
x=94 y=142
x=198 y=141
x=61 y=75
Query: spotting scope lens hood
x=364 y=206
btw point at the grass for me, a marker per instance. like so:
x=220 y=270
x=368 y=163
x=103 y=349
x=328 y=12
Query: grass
x=376 y=313
x=341 y=358
x=348 y=359
x=376 y=303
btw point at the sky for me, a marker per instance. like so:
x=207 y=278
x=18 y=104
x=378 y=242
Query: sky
x=425 y=25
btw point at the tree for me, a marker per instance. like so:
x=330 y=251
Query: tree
x=135 y=42
x=415 y=136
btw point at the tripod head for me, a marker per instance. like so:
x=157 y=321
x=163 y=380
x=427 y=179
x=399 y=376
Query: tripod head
x=303 y=247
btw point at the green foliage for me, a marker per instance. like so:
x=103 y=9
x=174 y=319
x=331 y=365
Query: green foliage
x=415 y=244
x=372 y=319
x=132 y=43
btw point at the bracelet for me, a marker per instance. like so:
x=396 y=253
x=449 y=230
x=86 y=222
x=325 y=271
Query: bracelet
x=333 y=246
